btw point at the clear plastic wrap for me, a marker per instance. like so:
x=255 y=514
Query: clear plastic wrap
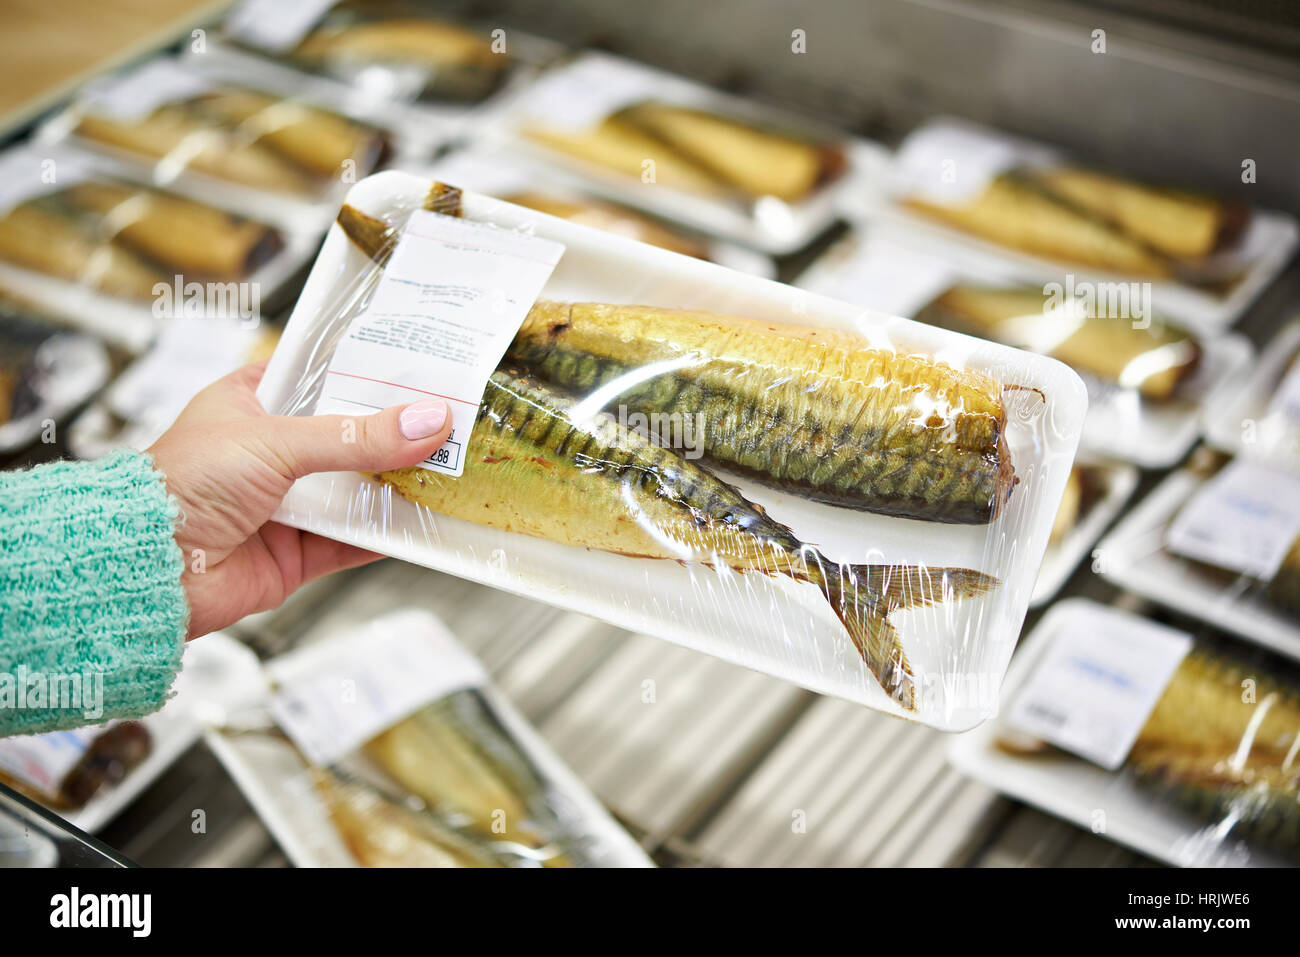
x=1202 y=770
x=1218 y=539
x=101 y=250
x=224 y=141
x=852 y=502
x=389 y=747
x=1149 y=377
x=46 y=372
x=1261 y=418
x=1204 y=259
x=684 y=151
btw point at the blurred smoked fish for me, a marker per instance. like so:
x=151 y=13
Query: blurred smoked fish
x=697 y=150
x=537 y=468
x=1094 y=219
x=1154 y=360
x=612 y=219
x=245 y=137
x=450 y=62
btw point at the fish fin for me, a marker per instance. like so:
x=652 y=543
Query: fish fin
x=918 y=586
x=882 y=650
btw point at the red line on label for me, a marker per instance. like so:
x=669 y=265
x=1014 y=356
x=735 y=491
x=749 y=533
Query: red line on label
x=398 y=385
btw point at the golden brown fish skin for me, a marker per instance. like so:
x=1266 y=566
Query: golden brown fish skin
x=812 y=411
x=590 y=482
x=1224 y=753
x=196 y=240
x=1284 y=590
x=612 y=219
x=1014 y=211
x=1109 y=348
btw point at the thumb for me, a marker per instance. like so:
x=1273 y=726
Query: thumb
x=396 y=437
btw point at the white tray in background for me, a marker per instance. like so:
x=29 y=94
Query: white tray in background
x=1226 y=421
x=767 y=224
x=1073 y=789
x=271 y=773
x=776 y=626
x=1133 y=557
x=1121 y=424
x=1117 y=483
x=1271 y=237
x=424 y=126
x=131 y=324
x=497 y=171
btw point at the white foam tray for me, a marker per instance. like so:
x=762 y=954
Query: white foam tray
x=272 y=775
x=767 y=224
x=1075 y=790
x=1271 y=237
x=776 y=626
x=1133 y=556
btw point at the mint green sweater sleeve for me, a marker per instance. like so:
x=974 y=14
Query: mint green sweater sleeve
x=92 y=612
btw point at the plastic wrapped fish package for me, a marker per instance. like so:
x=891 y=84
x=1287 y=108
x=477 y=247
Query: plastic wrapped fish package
x=852 y=502
x=390 y=748
x=98 y=248
x=1150 y=377
x=1171 y=743
x=1203 y=258
x=385 y=58
x=65 y=769
x=46 y=372
x=226 y=142
x=684 y=151
x=1261 y=418
x=1218 y=539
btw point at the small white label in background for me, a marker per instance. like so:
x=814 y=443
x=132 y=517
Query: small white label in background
x=451 y=299
x=275 y=25
x=26 y=173
x=1097 y=683
x=880 y=275
x=578 y=97
x=332 y=698
x=1244 y=519
x=44 y=760
x=135 y=95
x=948 y=163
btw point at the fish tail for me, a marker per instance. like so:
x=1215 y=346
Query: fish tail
x=863 y=596
x=917 y=586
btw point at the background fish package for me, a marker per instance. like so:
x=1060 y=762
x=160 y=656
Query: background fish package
x=958 y=650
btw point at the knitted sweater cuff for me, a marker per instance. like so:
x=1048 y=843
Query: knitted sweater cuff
x=92 y=613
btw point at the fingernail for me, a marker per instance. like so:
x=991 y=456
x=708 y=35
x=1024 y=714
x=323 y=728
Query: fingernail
x=422 y=419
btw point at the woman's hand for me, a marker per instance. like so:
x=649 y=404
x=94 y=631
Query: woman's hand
x=229 y=463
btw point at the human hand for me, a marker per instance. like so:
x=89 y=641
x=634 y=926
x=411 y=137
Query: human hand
x=228 y=463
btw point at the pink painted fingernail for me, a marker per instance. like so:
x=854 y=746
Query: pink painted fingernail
x=422 y=419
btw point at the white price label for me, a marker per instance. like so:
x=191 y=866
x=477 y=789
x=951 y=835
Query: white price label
x=451 y=299
x=880 y=275
x=135 y=95
x=948 y=163
x=276 y=25
x=1244 y=519
x=581 y=95
x=44 y=760
x=332 y=698
x=1097 y=683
